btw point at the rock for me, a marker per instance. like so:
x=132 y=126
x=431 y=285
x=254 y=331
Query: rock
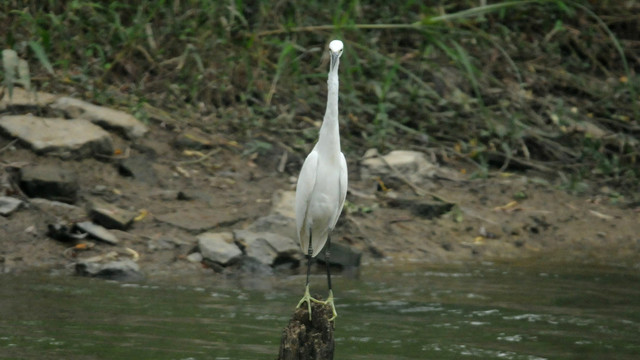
x=342 y=255
x=98 y=232
x=74 y=138
x=285 y=246
x=102 y=116
x=63 y=210
x=110 y=216
x=283 y=203
x=250 y=265
x=411 y=164
x=195 y=257
x=25 y=101
x=9 y=205
x=275 y=223
x=259 y=249
x=49 y=182
x=198 y=218
x=218 y=247
x=268 y=248
x=121 y=270
x=139 y=168
x=160 y=244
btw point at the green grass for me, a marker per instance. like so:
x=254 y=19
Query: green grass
x=508 y=86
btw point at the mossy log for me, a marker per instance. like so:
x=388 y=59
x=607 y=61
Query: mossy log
x=305 y=339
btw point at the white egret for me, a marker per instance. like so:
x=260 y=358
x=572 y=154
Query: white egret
x=322 y=184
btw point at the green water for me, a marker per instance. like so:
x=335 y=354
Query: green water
x=415 y=312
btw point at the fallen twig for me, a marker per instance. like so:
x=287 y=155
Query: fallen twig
x=200 y=159
x=8 y=145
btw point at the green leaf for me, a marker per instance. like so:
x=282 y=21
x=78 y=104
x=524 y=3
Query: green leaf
x=38 y=50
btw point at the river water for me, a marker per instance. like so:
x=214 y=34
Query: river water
x=415 y=311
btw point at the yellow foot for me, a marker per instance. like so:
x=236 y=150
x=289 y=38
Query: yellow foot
x=333 y=307
x=308 y=299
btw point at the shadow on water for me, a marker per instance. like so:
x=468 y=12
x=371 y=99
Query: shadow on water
x=412 y=312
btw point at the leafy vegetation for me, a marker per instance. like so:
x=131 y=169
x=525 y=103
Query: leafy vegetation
x=511 y=85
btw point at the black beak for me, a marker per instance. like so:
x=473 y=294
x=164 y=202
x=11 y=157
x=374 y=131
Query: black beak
x=334 y=60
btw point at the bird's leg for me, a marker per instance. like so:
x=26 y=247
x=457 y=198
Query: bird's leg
x=329 y=301
x=309 y=257
x=307 y=296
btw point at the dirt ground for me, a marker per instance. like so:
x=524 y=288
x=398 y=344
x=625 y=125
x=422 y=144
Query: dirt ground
x=505 y=217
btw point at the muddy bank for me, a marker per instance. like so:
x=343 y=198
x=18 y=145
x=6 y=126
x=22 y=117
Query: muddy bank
x=174 y=183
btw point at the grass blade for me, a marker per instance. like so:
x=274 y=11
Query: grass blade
x=463 y=58
x=473 y=12
x=38 y=50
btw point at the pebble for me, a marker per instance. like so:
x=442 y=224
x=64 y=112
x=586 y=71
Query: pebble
x=9 y=205
x=110 y=216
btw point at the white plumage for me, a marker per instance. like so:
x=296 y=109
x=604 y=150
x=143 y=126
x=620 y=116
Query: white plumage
x=322 y=183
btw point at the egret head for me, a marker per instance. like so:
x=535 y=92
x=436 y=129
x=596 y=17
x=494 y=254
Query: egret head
x=335 y=50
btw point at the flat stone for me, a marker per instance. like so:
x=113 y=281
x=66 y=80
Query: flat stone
x=65 y=211
x=268 y=247
x=103 y=116
x=259 y=249
x=9 y=205
x=98 y=232
x=411 y=164
x=121 y=270
x=75 y=138
x=199 y=218
x=342 y=255
x=284 y=245
x=110 y=216
x=49 y=182
x=275 y=223
x=218 y=247
x=25 y=100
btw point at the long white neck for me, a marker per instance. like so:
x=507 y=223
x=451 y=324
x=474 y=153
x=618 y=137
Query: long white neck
x=329 y=138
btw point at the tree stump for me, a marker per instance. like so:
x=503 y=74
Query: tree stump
x=308 y=340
